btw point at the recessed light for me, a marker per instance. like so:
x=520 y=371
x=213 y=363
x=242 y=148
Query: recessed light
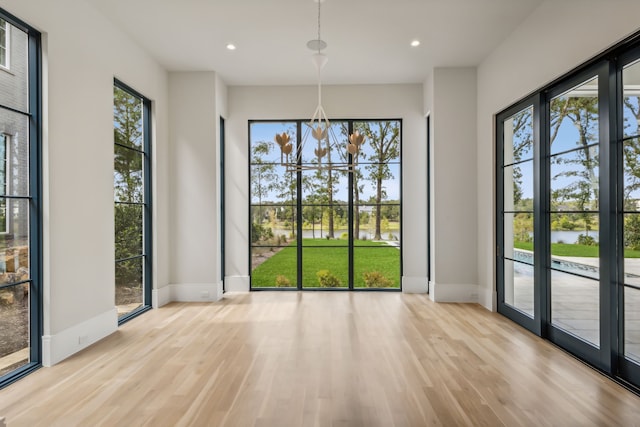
x=415 y=43
x=231 y=46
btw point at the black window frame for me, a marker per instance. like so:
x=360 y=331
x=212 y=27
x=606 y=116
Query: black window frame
x=222 y=242
x=35 y=198
x=147 y=226
x=299 y=123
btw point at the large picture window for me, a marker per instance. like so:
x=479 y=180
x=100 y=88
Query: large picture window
x=568 y=192
x=20 y=218
x=325 y=227
x=132 y=193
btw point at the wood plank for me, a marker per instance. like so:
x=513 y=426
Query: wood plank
x=319 y=359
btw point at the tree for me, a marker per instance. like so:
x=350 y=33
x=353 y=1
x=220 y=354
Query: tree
x=582 y=188
x=522 y=143
x=325 y=178
x=128 y=142
x=631 y=149
x=357 y=178
x=632 y=232
x=128 y=185
x=385 y=144
x=312 y=213
x=631 y=153
x=263 y=175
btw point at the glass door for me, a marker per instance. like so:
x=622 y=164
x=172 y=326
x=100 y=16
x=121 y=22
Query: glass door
x=518 y=177
x=568 y=213
x=629 y=283
x=574 y=142
x=553 y=193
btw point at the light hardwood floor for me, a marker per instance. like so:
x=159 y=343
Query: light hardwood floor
x=319 y=359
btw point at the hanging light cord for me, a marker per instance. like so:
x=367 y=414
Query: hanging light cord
x=319 y=2
x=319 y=48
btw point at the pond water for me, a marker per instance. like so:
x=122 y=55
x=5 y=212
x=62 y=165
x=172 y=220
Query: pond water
x=322 y=232
x=569 y=237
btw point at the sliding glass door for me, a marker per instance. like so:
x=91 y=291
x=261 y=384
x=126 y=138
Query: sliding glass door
x=568 y=212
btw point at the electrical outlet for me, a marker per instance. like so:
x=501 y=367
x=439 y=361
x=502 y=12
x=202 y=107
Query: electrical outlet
x=82 y=339
x=204 y=295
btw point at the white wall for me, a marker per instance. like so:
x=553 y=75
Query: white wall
x=299 y=102
x=83 y=52
x=556 y=38
x=453 y=114
x=194 y=141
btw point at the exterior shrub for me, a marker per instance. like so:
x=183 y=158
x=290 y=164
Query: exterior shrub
x=328 y=280
x=586 y=240
x=282 y=281
x=375 y=279
x=632 y=232
x=258 y=232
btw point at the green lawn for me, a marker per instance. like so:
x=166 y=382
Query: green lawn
x=563 y=249
x=331 y=255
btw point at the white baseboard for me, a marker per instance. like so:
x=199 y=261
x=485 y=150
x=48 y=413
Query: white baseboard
x=196 y=292
x=56 y=348
x=161 y=296
x=186 y=292
x=450 y=292
x=237 y=283
x=414 y=285
x=488 y=298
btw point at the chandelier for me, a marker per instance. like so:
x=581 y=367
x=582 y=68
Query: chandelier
x=318 y=130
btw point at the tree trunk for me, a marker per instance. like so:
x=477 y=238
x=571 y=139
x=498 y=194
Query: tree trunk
x=330 y=196
x=356 y=219
x=378 y=235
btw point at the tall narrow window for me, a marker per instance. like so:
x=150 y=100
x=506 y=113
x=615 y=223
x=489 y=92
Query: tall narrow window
x=222 y=205
x=132 y=201
x=274 y=218
x=20 y=231
x=4 y=43
x=4 y=183
x=376 y=206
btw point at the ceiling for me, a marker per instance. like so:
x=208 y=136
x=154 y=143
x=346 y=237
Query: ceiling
x=368 y=40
